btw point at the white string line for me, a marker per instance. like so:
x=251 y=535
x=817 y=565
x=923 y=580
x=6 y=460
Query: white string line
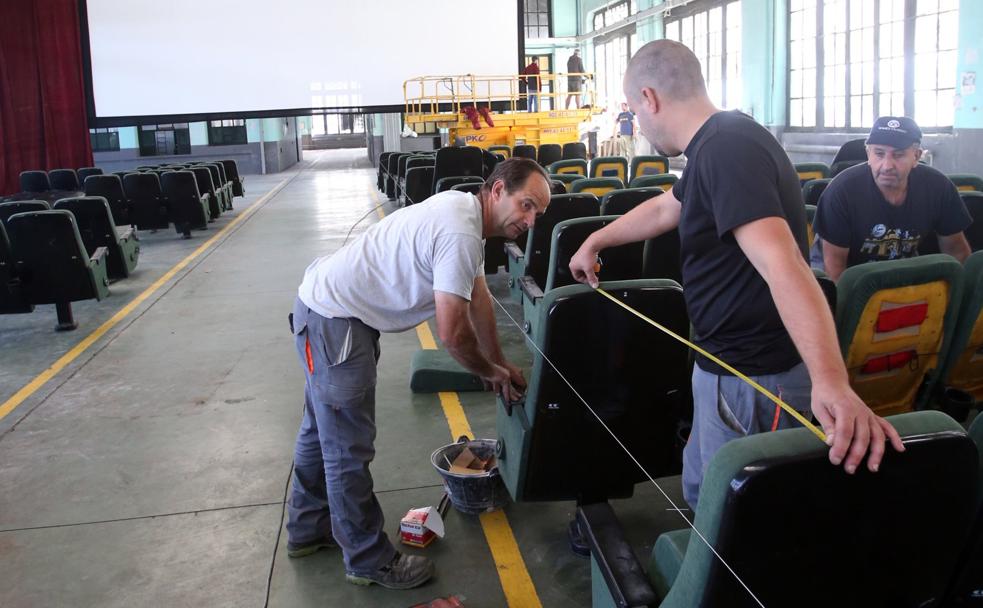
x=630 y=455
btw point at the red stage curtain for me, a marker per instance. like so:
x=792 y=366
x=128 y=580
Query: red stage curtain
x=42 y=98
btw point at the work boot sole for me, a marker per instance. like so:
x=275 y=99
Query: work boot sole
x=309 y=549
x=366 y=581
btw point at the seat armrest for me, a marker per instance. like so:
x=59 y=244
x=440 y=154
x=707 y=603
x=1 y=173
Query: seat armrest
x=205 y=197
x=125 y=234
x=512 y=250
x=617 y=563
x=532 y=291
x=99 y=256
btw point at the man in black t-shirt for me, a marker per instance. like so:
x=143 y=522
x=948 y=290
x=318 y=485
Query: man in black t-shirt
x=752 y=299
x=884 y=208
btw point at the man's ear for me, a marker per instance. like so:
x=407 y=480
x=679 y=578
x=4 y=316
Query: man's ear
x=918 y=153
x=650 y=100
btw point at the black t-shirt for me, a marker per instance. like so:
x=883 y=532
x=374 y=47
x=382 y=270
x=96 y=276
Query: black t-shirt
x=736 y=173
x=853 y=213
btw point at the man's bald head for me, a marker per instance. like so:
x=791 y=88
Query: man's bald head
x=669 y=68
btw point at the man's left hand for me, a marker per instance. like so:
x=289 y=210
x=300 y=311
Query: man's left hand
x=518 y=380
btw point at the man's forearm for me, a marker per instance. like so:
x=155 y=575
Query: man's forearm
x=483 y=318
x=648 y=220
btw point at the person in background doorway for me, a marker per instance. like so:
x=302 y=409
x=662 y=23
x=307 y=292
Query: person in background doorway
x=574 y=66
x=625 y=131
x=531 y=72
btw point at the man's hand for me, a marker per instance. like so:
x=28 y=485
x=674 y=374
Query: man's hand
x=500 y=382
x=583 y=264
x=851 y=427
x=515 y=374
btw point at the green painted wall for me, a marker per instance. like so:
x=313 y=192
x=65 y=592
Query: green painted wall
x=763 y=60
x=969 y=110
x=252 y=130
x=128 y=138
x=199 y=133
x=564 y=18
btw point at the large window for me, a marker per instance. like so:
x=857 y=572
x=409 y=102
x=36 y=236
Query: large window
x=611 y=14
x=337 y=124
x=612 y=51
x=104 y=140
x=536 y=15
x=165 y=140
x=227 y=132
x=853 y=60
x=714 y=35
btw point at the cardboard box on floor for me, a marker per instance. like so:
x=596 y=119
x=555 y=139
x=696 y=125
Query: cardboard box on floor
x=419 y=527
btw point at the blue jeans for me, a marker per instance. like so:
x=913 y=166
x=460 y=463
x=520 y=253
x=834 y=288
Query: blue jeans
x=726 y=407
x=332 y=486
x=533 y=103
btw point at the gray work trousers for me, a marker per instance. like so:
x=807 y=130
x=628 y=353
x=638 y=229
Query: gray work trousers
x=726 y=407
x=332 y=486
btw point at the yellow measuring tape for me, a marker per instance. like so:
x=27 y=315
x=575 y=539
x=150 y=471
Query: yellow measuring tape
x=816 y=431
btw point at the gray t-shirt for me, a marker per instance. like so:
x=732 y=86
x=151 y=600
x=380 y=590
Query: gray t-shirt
x=387 y=276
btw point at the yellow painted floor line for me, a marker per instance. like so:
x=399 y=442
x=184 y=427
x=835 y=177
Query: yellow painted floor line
x=31 y=387
x=512 y=573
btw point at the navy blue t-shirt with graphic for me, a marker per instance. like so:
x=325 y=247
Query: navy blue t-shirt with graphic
x=852 y=213
x=626 y=124
x=736 y=173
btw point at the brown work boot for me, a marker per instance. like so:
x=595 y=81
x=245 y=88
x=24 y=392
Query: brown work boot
x=402 y=572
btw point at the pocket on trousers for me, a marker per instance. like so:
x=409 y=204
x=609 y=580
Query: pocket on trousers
x=341 y=396
x=727 y=415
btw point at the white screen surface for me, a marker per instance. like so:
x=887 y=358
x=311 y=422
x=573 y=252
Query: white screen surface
x=224 y=56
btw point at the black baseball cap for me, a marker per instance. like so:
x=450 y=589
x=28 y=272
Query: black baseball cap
x=895 y=131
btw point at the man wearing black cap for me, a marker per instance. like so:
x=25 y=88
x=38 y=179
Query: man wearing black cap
x=884 y=208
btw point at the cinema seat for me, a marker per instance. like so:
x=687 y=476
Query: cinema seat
x=963 y=365
x=549 y=154
x=533 y=259
x=232 y=172
x=15 y=207
x=52 y=262
x=810 y=218
x=779 y=513
x=95 y=224
x=813 y=189
x=634 y=376
x=188 y=207
x=661 y=258
x=223 y=190
x=974 y=204
x=419 y=182
x=895 y=320
x=575 y=166
x=573 y=150
x=381 y=170
x=203 y=177
x=966 y=182
x=464 y=161
x=619 y=202
x=651 y=164
x=469 y=187
x=446 y=183
x=525 y=151
x=503 y=150
x=110 y=187
x=837 y=167
x=966 y=588
x=808 y=171
x=609 y=166
x=567 y=178
x=63 y=179
x=150 y=210
x=85 y=172
x=12 y=300
x=390 y=181
x=598 y=186
x=663 y=180
x=34 y=181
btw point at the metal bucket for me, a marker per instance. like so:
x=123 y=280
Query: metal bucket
x=471 y=494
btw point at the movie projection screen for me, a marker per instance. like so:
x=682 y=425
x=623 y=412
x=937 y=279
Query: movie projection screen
x=151 y=58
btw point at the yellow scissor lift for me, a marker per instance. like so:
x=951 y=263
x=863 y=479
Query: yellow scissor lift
x=442 y=100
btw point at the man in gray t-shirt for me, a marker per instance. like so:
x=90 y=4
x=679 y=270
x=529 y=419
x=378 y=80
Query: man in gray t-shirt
x=425 y=260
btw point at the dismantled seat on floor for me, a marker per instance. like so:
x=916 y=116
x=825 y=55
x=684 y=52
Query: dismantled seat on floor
x=149 y=207
x=63 y=179
x=574 y=166
x=34 y=181
x=525 y=151
x=575 y=149
x=779 y=514
x=85 y=172
x=894 y=320
x=662 y=180
x=203 y=177
x=15 y=207
x=609 y=166
x=434 y=371
x=419 y=181
x=966 y=182
x=12 y=300
x=620 y=202
x=634 y=377
x=598 y=186
x=232 y=172
x=810 y=171
x=648 y=164
x=534 y=257
x=52 y=263
x=95 y=225
x=187 y=206
x=457 y=162
x=446 y=183
x=110 y=187
x=963 y=366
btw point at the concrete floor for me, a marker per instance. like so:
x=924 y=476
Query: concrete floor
x=151 y=470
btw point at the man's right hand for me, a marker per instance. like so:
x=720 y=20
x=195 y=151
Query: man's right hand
x=583 y=264
x=852 y=429
x=500 y=382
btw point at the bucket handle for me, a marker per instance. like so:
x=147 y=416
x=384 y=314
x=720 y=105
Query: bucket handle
x=463 y=439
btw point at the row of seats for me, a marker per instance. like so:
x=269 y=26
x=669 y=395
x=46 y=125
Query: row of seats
x=819 y=174
x=56 y=179
x=545 y=154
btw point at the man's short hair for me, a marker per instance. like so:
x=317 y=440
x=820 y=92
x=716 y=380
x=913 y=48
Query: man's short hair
x=668 y=67
x=514 y=172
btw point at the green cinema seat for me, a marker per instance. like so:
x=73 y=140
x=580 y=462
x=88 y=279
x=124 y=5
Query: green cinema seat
x=567 y=178
x=813 y=189
x=664 y=181
x=966 y=182
x=808 y=171
x=648 y=164
x=963 y=366
x=575 y=166
x=598 y=186
x=609 y=166
x=97 y=229
x=620 y=202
